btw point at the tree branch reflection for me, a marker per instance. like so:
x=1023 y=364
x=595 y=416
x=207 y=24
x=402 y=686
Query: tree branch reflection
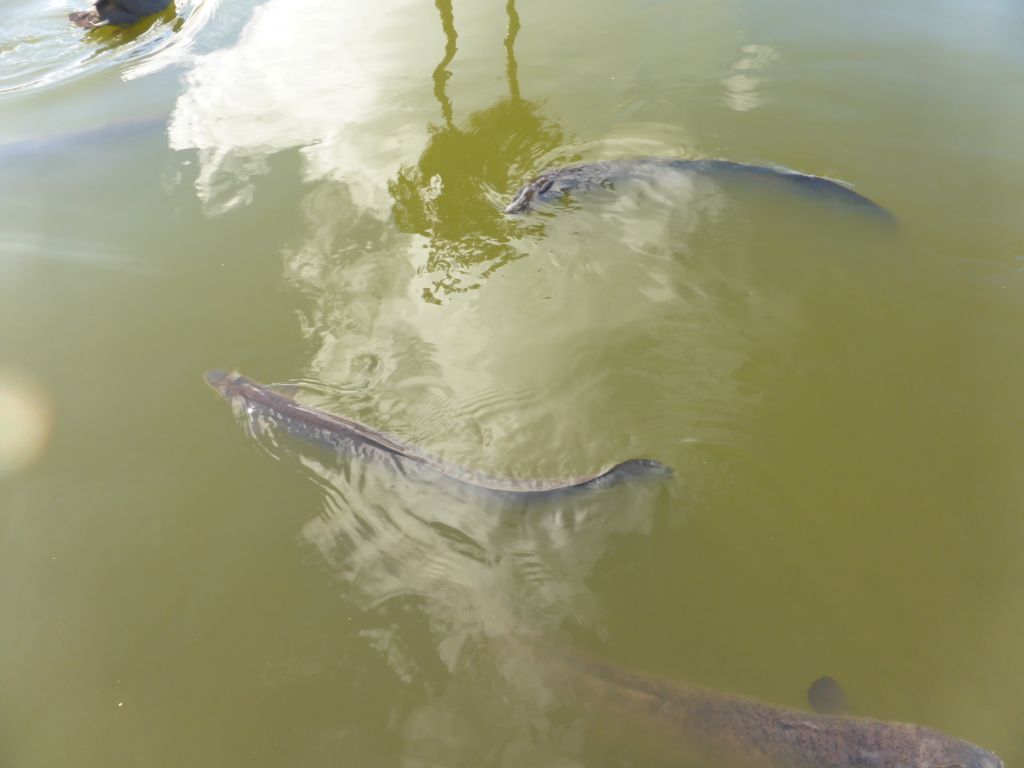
x=447 y=196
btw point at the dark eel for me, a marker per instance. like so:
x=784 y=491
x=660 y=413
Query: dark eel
x=119 y=13
x=558 y=183
x=726 y=729
x=344 y=435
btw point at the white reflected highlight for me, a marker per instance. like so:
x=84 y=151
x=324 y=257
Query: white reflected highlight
x=313 y=74
x=182 y=44
x=742 y=89
x=478 y=569
x=482 y=577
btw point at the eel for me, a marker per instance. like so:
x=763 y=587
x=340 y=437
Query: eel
x=118 y=13
x=337 y=433
x=558 y=183
x=725 y=729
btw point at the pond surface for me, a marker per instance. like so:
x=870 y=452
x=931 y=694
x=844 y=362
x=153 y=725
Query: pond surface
x=310 y=192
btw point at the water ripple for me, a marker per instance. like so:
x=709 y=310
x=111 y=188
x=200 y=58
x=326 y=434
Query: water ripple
x=40 y=48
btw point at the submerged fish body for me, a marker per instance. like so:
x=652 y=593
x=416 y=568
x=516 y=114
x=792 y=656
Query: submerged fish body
x=741 y=732
x=558 y=183
x=344 y=435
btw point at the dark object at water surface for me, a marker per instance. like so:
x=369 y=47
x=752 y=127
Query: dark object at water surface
x=119 y=13
x=558 y=183
x=341 y=434
x=827 y=696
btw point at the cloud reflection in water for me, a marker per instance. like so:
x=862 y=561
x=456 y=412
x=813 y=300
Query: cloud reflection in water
x=312 y=74
x=480 y=574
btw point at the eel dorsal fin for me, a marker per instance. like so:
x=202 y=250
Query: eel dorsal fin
x=826 y=696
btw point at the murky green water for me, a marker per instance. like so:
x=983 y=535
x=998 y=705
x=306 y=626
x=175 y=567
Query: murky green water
x=310 y=191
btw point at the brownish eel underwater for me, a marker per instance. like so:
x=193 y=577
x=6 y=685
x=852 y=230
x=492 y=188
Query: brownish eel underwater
x=557 y=184
x=722 y=729
x=264 y=404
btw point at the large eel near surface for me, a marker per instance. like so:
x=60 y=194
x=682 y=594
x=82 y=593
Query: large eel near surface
x=344 y=435
x=731 y=731
x=558 y=183
x=118 y=13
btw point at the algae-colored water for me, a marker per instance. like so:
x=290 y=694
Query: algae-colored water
x=310 y=192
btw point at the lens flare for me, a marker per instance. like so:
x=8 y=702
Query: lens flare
x=25 y=421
